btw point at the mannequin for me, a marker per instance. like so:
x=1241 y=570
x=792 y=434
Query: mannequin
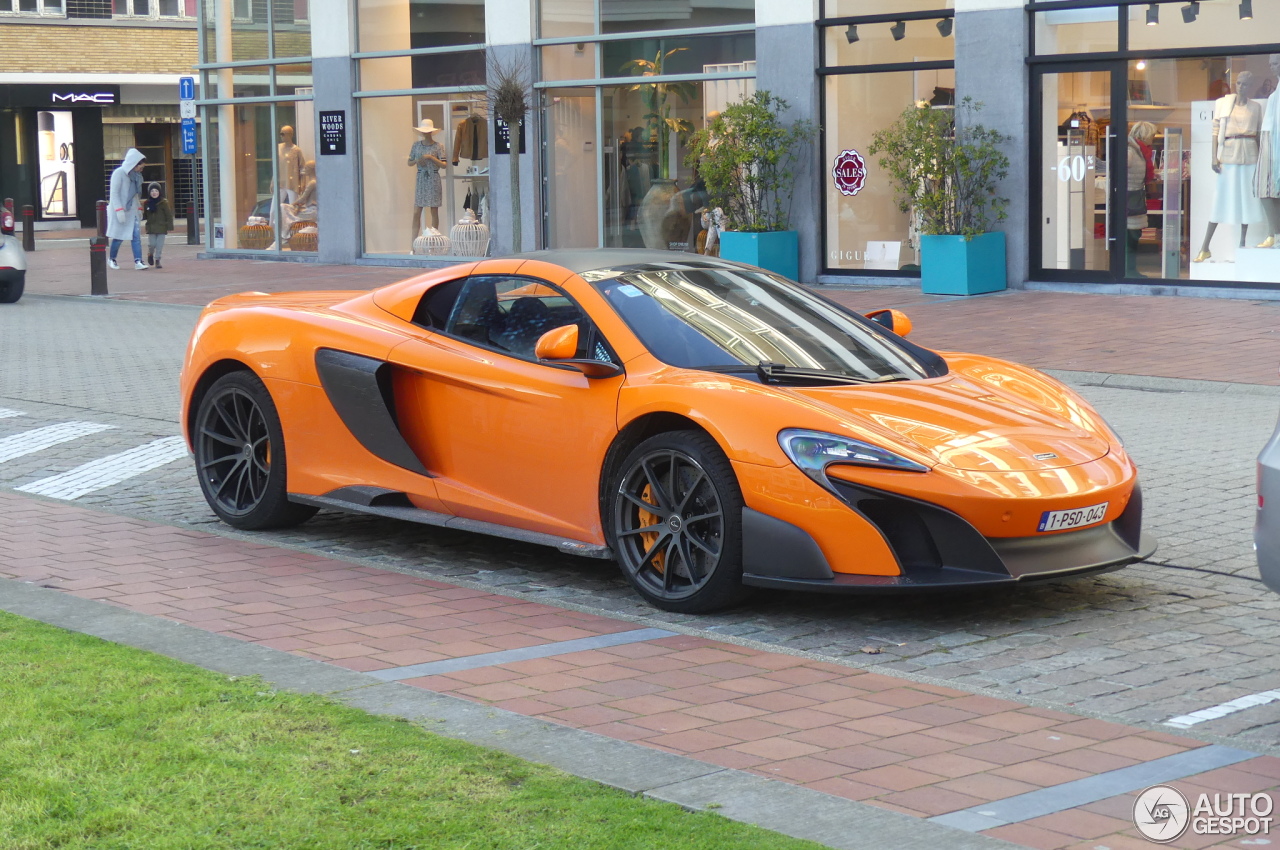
x=1236 y=122
x=289 y=157
x=1141 y=174
x=305 y=208
x=428 y=155
x=1268 y=176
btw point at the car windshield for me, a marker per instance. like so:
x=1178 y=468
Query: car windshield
x=731 y=320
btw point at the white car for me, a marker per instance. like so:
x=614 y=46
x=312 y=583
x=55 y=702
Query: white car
x=13 y=260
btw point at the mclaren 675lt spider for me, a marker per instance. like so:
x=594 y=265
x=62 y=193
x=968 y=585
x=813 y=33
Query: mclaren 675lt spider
x=708 y=425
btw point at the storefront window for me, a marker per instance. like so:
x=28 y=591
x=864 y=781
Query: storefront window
x=406 y=189
x=1076 y=31
x=569 y=61
x=682 y=55
x=423 y=71
x=1212 y=188
x=573 y=196
x=264 y=192
x=401 y=25
x=885 y=43
x=1206 y=24
x=652 y=197
x=847 y=8
x=866 y=231
x=568 y=18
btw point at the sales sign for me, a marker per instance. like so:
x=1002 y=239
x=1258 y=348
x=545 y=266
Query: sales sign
x=849 y=172
x=333 y=133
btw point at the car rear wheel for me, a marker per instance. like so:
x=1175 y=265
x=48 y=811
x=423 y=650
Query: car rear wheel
x=676 y=523
x=11 y=290
x=240 y=456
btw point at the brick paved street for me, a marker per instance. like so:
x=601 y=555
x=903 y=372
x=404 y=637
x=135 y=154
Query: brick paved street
x=1193 y=629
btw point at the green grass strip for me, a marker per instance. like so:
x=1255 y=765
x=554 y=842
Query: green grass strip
x=105 y=747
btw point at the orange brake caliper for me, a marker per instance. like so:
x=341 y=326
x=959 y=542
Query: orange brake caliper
x=648 y=539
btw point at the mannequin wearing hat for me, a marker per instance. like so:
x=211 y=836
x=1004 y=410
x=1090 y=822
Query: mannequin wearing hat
x=428 y=155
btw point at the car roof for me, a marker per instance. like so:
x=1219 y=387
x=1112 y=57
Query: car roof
x=610 y=262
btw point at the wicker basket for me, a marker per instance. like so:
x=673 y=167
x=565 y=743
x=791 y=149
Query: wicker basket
x=257 y=236
x=470 y=238
x=432 y=242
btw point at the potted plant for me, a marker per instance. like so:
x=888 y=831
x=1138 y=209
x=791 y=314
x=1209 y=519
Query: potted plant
x=660 y=126
x=747 y=157
x=945 y=171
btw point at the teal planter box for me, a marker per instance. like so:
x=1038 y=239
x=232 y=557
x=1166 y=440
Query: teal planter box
x=777 y=251
x=953 y=265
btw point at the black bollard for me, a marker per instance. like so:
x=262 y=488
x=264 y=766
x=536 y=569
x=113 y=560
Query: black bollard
x=98 y=265
x=98 y=254
x=28 y=228
x=193 y=224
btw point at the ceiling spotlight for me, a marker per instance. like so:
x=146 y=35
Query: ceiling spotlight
x=944 y=26
x=1246 y=10
x=851 y=34
x=899 y=30
x=1153 y=15
x=1141 y=65
x=1190 y=11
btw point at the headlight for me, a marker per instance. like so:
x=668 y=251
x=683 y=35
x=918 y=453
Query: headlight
x=814 y=451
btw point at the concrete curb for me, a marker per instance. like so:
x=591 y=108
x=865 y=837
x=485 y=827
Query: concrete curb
x=1153 y=383
x=691 y=784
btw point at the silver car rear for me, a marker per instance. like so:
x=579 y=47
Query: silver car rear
x=13 y=260
x=1266 y=531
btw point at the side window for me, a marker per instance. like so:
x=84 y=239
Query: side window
x=437 y=304
x=510 y=314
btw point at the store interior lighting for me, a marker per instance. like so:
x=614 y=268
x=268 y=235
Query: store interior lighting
x=851 y=34
x=944 y=26
x=1153 y=15
x=899 y=30
x=1246 y=10
x=1190 y=11
x=1141 y=65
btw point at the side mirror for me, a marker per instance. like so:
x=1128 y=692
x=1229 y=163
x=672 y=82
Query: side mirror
x=557 y=346
x=894 y=320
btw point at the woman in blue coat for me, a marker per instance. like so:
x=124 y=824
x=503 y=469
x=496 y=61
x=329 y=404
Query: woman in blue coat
x=122 y=208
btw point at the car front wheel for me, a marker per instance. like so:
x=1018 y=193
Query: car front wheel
x=675 y=523
x=240 y=457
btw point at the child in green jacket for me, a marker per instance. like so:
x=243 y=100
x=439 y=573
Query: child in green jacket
x=158 y=216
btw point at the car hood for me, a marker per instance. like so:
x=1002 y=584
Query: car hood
x=303 y=300
x=1017 y=425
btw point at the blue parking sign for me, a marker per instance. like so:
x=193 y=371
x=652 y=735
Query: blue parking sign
x=186 y=88
x=188 y=135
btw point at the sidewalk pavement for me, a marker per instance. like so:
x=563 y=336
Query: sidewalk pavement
x=1213 y=339
x=958 y=765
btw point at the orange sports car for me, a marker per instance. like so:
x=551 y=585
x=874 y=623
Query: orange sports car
x=710 y=426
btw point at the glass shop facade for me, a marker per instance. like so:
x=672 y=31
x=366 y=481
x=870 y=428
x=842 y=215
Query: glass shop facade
x=1145 y=137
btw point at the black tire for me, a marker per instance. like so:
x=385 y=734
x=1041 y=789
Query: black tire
x=11 y=290
x=680 y=485
x=240 y=456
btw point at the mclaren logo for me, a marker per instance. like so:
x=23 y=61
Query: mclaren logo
x=84 y=97
x=1045 y=456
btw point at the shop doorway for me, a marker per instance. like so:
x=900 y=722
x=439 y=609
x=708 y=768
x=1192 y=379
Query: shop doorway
x=1079 y=127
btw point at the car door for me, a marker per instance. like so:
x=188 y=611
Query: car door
x=509 y=439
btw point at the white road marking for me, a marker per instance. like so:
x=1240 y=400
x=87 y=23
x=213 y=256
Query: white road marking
x=1214 y=712
x=6 y=413
x=30 y=442
x=113 y=469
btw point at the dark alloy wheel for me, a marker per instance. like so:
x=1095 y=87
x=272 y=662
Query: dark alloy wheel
x=676 y=523
x=240 y=459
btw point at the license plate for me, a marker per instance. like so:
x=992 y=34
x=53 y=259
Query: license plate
x=1059 y=520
